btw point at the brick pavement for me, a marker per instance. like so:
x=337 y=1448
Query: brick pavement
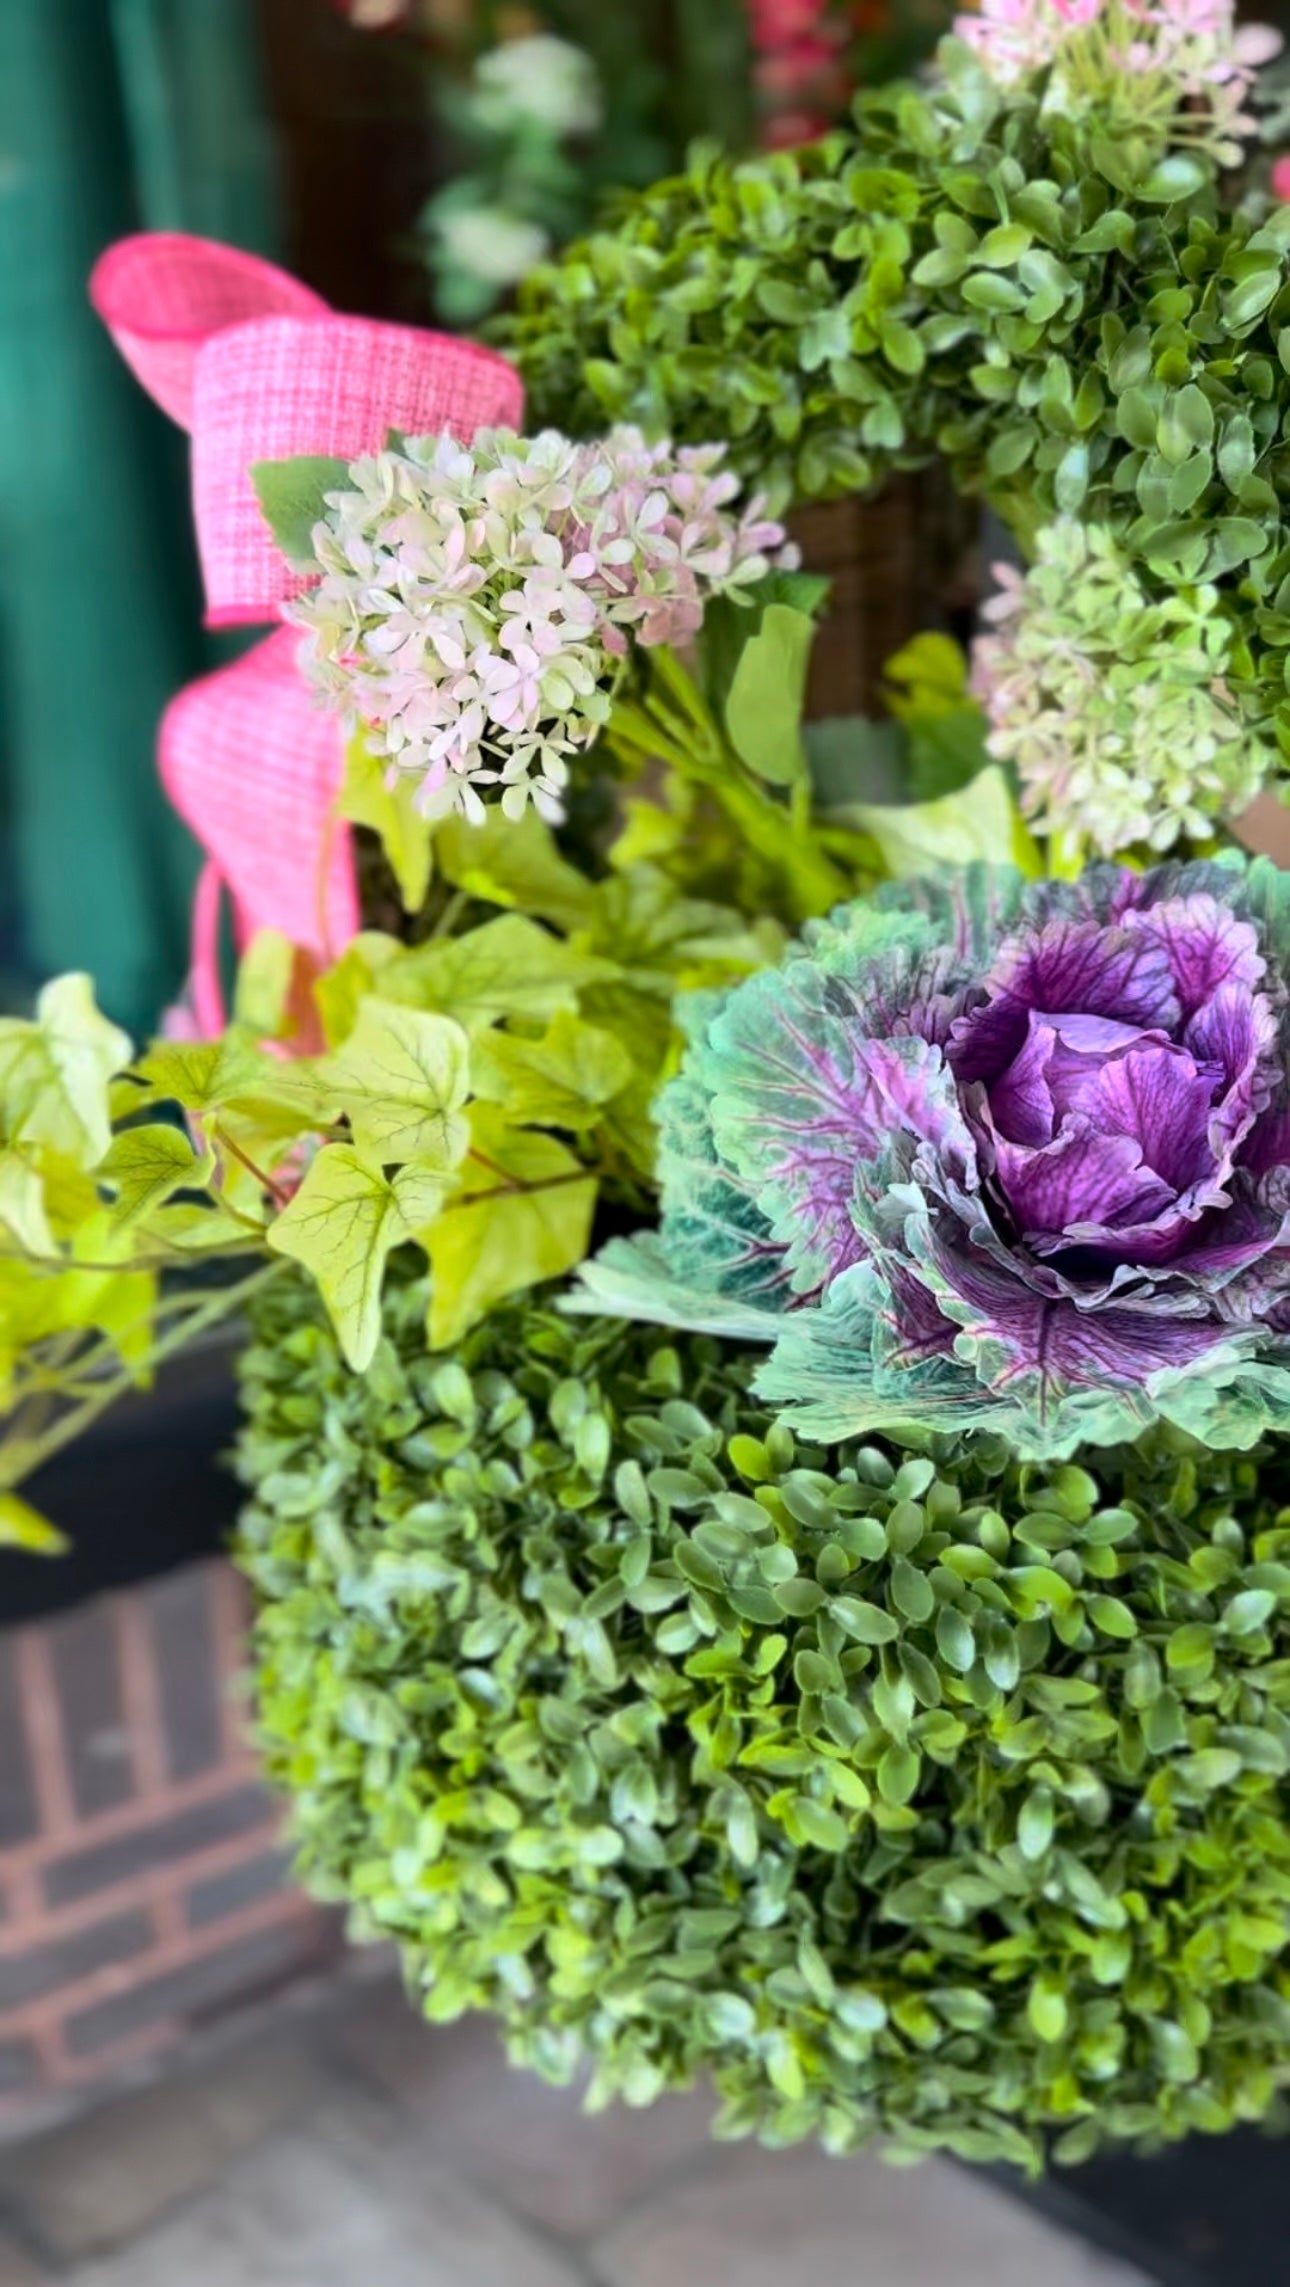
x=344 y=2142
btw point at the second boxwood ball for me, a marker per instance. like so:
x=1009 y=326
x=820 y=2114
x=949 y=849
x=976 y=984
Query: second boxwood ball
x=923 y=1795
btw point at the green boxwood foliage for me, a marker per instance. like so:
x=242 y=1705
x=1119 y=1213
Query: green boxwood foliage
x=930 y=1795
x=1076 y=327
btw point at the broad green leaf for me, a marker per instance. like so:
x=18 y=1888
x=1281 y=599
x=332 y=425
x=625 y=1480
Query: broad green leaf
x=728 y=623
x=523 y=1214
x=563 y=1080
x=293 y=498
x=342 y=1225
x=768 y=694
x=403 y=1076
x=23 y=1527
x=147 y=1165
x=55 y=1073
x=202 y=1075
x=264 y=979
x=929 y=675
x=22 y=1204
x=982 y=821
x=390 y=812
x=513 y=862
x=510 y=967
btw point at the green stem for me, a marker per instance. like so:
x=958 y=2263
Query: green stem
x=20 y=1456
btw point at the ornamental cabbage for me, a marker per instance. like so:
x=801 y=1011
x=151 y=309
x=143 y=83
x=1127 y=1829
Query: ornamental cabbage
x=988 y=1156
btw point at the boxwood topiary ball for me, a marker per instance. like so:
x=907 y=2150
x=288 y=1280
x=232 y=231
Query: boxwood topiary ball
x=925 y=1795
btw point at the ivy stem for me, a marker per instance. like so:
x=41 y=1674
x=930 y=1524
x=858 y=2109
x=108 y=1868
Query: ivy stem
x=33 y=1452
x=266 y=1182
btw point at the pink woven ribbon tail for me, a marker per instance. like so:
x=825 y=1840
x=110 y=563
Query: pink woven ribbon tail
x=258 y=368
x=254 y=768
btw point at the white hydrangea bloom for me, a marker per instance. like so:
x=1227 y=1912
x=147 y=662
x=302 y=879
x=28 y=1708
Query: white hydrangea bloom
x=478 y=603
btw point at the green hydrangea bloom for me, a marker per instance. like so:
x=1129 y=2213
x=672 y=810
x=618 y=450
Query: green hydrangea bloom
x=1112 y=699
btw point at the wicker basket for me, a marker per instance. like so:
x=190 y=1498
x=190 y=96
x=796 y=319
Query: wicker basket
x=900 y=563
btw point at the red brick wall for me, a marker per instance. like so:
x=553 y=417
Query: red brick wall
x=143 y=1886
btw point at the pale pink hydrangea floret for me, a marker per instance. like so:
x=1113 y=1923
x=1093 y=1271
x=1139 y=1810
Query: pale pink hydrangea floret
x=478 y=603
x=1135 y=56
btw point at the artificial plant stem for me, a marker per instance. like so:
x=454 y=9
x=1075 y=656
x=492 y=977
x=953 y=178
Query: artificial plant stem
x=34 y=1452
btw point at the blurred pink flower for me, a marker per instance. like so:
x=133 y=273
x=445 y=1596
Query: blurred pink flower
x=1281 y=179
x=1126 y=55
x=375 y=15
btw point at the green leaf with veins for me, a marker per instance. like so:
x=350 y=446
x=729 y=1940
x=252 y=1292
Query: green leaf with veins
x=342 y=1225
x=55 y=1073
x=22 y=1204
x=513 y=862
x=510 y=967
x=564 y=1080
x=202 y=1075
x=402 y=1077
x=147 y=1165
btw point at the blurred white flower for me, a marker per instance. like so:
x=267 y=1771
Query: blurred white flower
x=540 y=78
x=492 y=244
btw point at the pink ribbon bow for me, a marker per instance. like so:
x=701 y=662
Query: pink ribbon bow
x=257 y=367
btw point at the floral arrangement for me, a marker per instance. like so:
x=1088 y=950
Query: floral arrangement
x=768 y=1397
x=476 y=601
x=865 y=303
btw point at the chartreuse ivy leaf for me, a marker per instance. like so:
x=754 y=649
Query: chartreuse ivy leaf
x=563 y=1080
x=980 y=821
x=202 y=1075
x=403 y=1076
x=510 y=967
x=22 y=1204
x=522 y=1214
x=513 y=862
x=147 y=1165
x=23 y=1527
x=342 y=1225
x=55 y=1073
x=293 y=498
x=768 y=693
x=385 y=803
x=341 y=990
